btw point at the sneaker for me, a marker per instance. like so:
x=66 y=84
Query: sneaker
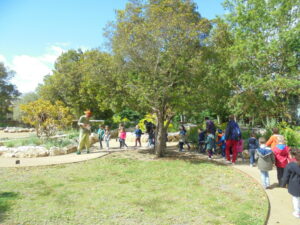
x=297 y=215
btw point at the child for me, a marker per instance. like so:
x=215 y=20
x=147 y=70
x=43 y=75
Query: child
x=292 y=178
x=281 y=152
x=101 y=135
x=201 y=140
x=138 y=134
x=240 y=148
x=265 y=160
x=182 y=133
x=107 y=136
x=292 y=157
x=210 y=144
x=273 y=140
x=252 y=146
x=123 y=138
x=222 y=143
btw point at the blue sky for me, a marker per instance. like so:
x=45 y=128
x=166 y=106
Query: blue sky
x=33 y=33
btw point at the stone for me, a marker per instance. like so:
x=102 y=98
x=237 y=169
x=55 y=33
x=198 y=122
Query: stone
x=56 y=151
x=70 y=149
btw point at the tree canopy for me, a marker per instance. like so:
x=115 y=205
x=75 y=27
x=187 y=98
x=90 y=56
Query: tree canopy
x=8 y=91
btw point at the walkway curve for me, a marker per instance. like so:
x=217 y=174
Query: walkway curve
x=280 y=201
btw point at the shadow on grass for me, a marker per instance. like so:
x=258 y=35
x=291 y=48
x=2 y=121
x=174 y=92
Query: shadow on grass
x=193 y=157
x=6 y=201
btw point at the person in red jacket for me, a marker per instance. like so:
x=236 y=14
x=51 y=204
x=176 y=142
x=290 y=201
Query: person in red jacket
x=282 y=154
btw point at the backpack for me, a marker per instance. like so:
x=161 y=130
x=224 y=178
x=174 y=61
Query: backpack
x=236 y=132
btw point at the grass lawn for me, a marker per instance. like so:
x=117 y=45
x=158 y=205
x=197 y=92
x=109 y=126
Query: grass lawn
x=120 y=190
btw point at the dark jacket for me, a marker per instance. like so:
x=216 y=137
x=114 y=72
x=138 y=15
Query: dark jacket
x=291 y=177
x=210 y=127
x=265 y=158
x=201 y=137
x=233 y=131
x=253 y=143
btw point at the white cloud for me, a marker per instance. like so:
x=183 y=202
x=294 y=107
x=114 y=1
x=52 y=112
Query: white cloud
x=3 y=59
x=31 y=70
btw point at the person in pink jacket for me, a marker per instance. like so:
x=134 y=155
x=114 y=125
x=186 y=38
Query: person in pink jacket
x=122 y=138
x=282 y=155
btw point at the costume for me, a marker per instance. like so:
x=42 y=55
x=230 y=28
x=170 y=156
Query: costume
x=84 y=133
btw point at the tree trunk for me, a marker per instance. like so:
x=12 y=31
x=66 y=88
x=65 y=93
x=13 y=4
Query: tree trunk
x=160 y=139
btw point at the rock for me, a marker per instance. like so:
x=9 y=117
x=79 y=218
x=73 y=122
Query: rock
x=56 y=151
x=24 y=152
x=93 y=138
x=70 y=149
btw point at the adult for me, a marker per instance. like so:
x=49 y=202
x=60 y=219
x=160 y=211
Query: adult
x=210 y=126
x=84 y=132
x=232 y=136
x=150 y=131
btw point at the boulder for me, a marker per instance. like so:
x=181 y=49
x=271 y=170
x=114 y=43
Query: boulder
x=70 y=149
x=24 y=152
x=93 y=138
x=56 y=151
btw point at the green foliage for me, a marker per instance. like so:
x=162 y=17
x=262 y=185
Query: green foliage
x=47 y=118
x=292 y=137
x=154 y=44
x=264 y=56
x=130 y=115
x=150 y=118
x=24 y=99
x=192 y=135
x=8 y=91
x=82 y=80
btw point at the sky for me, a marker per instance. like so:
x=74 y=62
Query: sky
x=33 y=33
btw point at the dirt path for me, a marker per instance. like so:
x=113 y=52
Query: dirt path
x=280 y=200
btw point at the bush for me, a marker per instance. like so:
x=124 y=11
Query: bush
x=47 y=118
x=192 y=135
x=292 y=137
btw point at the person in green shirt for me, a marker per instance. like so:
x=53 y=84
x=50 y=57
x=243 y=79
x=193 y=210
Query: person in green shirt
x=84 y=132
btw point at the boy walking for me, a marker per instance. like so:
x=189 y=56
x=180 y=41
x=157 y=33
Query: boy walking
x=210 y=144
x=265 y=160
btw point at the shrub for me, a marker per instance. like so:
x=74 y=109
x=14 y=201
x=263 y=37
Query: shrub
x=46 y=117
x=192 y=135
x=292 y=137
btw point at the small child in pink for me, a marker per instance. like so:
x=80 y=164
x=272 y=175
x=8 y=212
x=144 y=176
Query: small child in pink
x=122 y=138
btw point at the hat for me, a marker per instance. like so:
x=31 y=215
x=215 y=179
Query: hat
x=88 y=112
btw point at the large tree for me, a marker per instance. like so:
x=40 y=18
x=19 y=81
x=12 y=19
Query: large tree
x=265 y=55
x=8 y=91
x=154 y=43
x=81 y=80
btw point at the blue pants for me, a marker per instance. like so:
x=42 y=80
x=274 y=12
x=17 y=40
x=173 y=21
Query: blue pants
x=265 y=178
x=252 y=156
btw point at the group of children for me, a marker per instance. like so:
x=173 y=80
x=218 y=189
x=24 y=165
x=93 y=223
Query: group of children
x=287 y=162
x=266 y=154
x=104 y=135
